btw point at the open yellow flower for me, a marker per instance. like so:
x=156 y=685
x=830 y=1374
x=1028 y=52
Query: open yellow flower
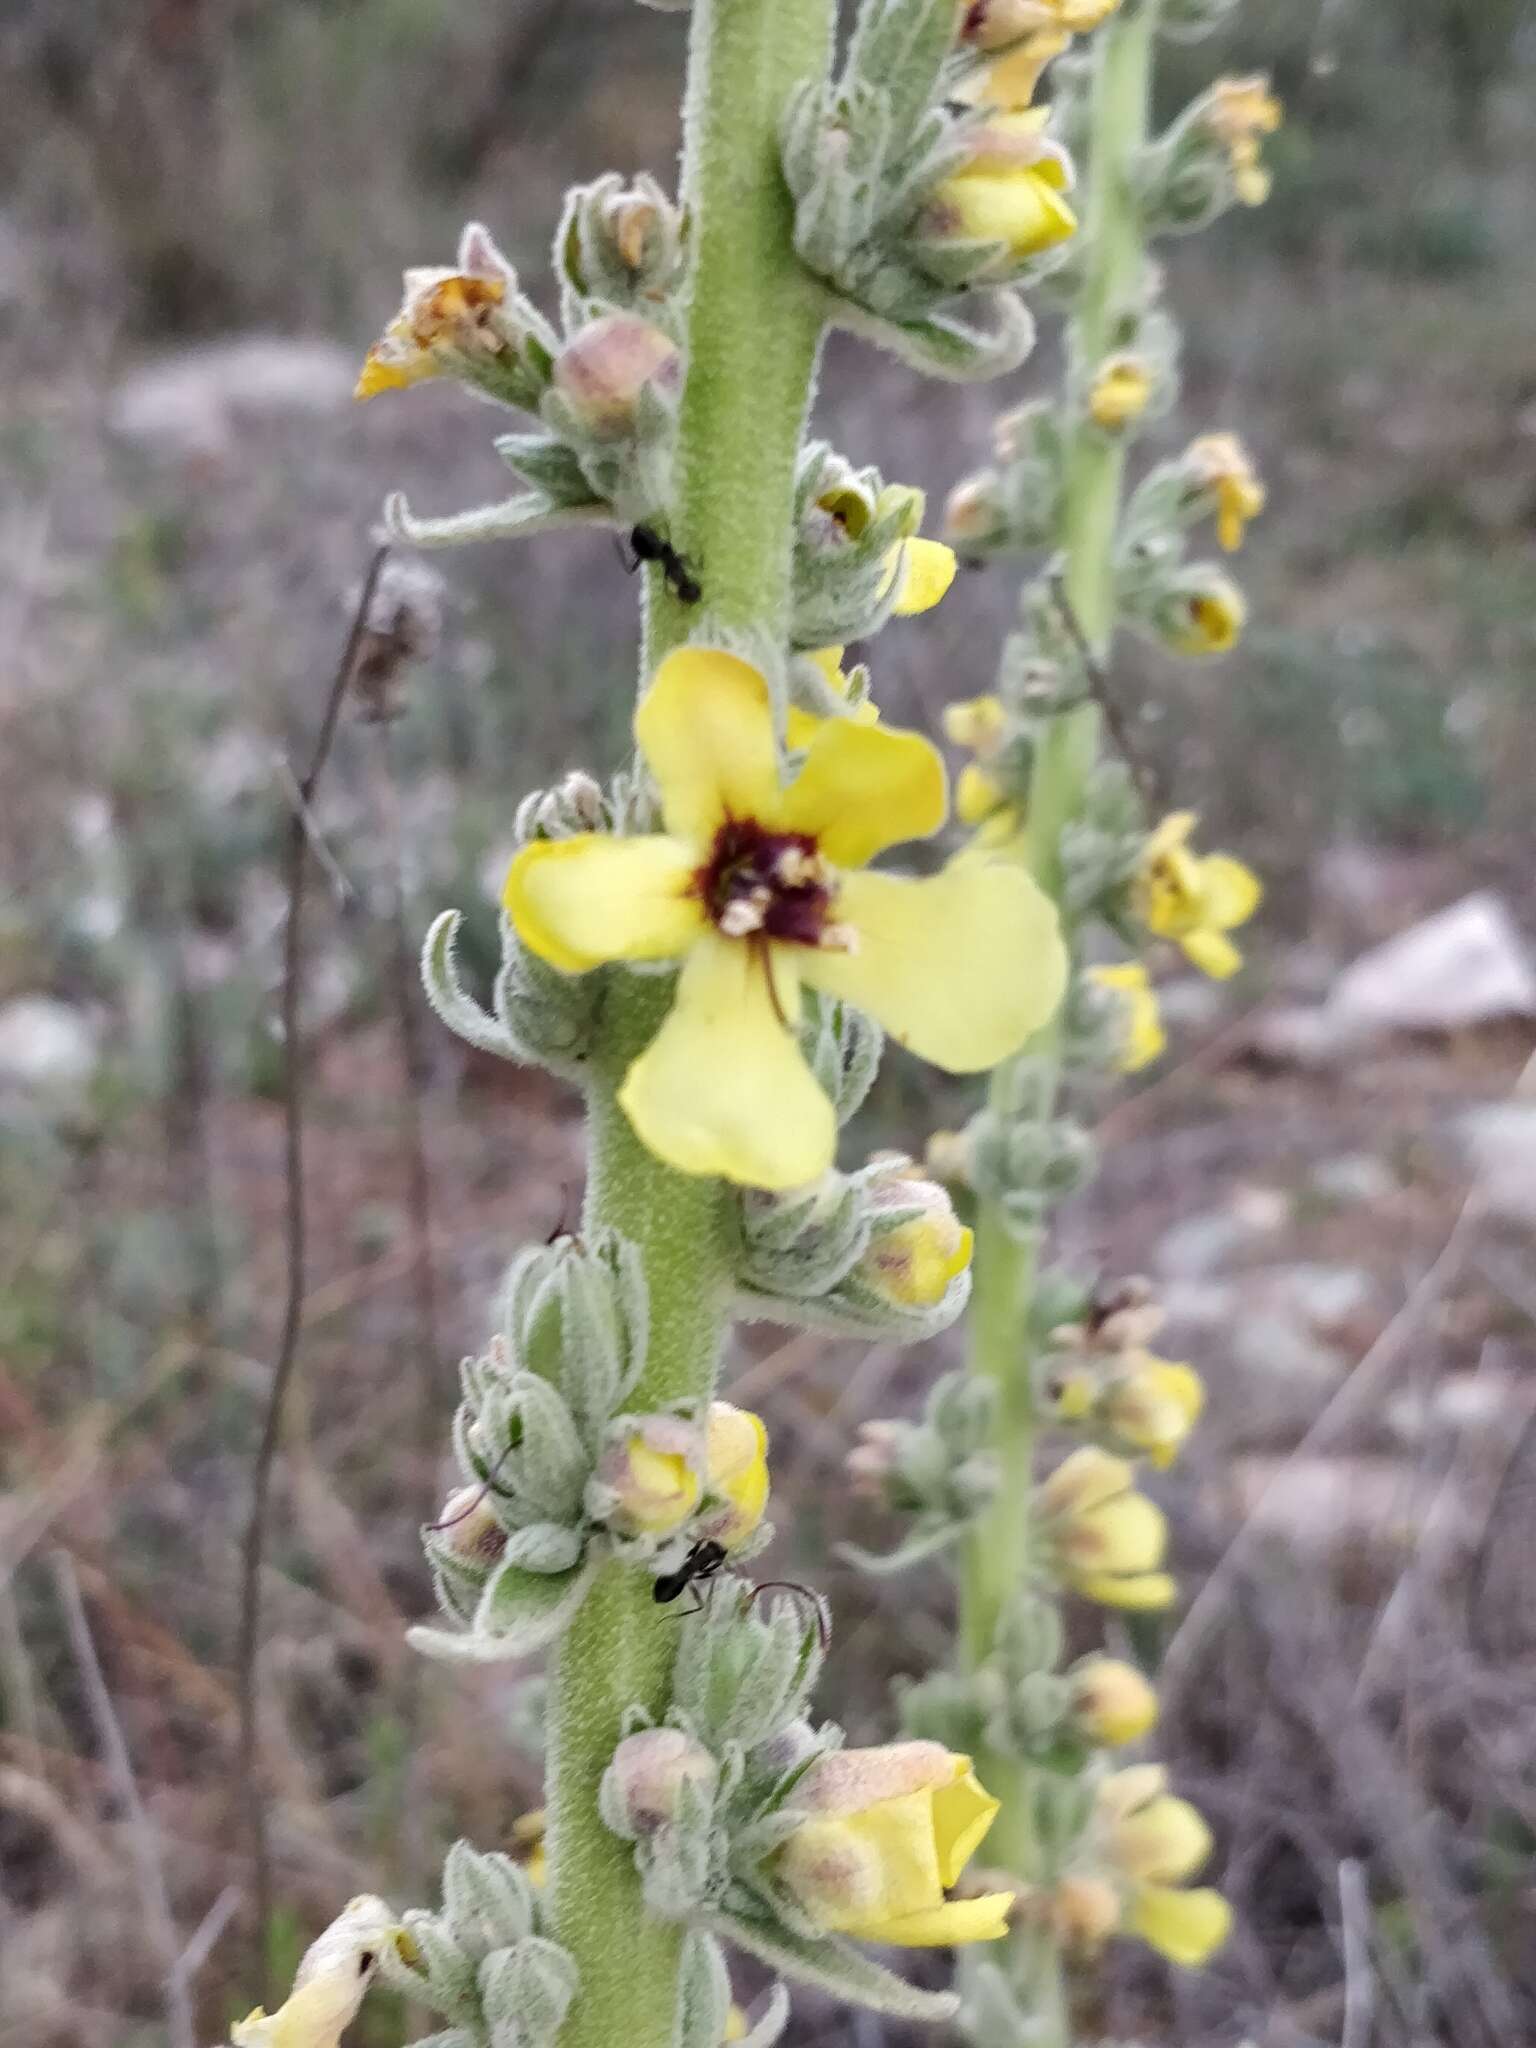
x=759 y=888
x=1152 y=1841
x=885 y=1834
x=1195 y=900
x=653 y=1476
x=1009 y=190
x=1205 y=616
x=329 y=1984
x=1144 y=1038
x=1221 y=465
x=1109 y=1539
x=1237 y=112
x=1153 y=1407
x=735 y=1471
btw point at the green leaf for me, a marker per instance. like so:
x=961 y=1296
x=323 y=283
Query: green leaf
x=520 y=1611
x=834 y=1966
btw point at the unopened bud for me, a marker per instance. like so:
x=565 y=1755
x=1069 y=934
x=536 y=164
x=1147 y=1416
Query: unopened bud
x=973 y=512
x=948 y=1157
x=915 y=1262
x=651 y=1476
x=1120 y=392
x=735 y=1473
x=1112 y=1703
x=872 y=1460
x=645 y=1779
x=979 y=723
x=602 y=372
x=469 y=1528
x=1203 y=613
x=1084 y=1912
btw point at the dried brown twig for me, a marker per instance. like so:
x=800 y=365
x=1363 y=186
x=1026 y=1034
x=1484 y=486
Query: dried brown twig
x=249 y=1775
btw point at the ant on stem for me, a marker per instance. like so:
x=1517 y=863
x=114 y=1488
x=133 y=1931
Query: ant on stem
x=647 y=545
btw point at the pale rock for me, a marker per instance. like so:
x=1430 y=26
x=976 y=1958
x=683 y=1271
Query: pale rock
x=1499 y=1140
x=198 y=403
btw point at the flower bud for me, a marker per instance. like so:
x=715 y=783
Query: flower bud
x=652 y=1477
x=603 y=370
x=647 y=1775
x=873 y=1459
x=973 y=512
x=1120 y=392
x=469 y=1528
x=1112 y=1703
x=1153 y=1407
x=914 y=1262
x=1237 y=111
x=978 y=723
x=1202 y=613
x=1141 y=1035
x=528 y=1832
x=948 y=1157
x=1008 y=190
x=1109 y=1538
x=977 y=795
x=735 y=1473
x=1148 y=1834
x=1084 y=1912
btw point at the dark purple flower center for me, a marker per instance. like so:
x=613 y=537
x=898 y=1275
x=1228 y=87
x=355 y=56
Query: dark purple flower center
x=773 y=883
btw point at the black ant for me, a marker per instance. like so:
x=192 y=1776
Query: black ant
x=648 y=546
x=704 y=1562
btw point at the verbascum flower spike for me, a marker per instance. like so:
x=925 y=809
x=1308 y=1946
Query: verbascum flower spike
x=759 y=888
x=1237 y=112
x=330 y=1983
x=1009 y=189
x=735 y=1474
x=1111 y=1702
x=1194 y=899
x=884 y=1835
x=1221 y=470
x=1141 y=1036
x=1109 y=1539
x=1151 y=1841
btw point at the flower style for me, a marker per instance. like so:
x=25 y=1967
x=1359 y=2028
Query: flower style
x=1237 y=112
x=1109 y=1538
x=915 y=1263
x=885 y=1834
x=1008 y=190
x=759 y=887
x=450 y=322
x=1120 y=392
x=1194 y=900
x=1220 y=467
x=735 y=1473
x=1151 y=1841
x=329 y=1984
x=1144 y=1039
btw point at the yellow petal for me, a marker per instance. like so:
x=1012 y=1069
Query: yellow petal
x=900 y=1831
x=1129 y=1534
x=582 y=901
x=1164 y=1840
x=950 y=1925
x=923 y=571
x=962 y=1813
x=1132 y=1592
x=1019 y=208
x=864 y=788
x=1233 y=892
x=1212 y=953
x=706 y=731
x=723 y=1088
x=960 y=967
x=1186 y=1927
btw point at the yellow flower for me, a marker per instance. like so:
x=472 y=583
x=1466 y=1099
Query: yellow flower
x=1152 y=1841
x=329 y=1984
x=915 y=1263
x=1221 y=465
x=528 y=1832
x=1153 y=1407
x=1144 y=1039
x=977 y=795
x=922 y=571
x=885 y=1834
x=758 y=888
x=1009 y=189
x=735 y=1470
x=446 y=314
x=1120 y=392
x=1112 y=1703
x=1195 y=900
x=993 y=24
x=1204 y=617
x=1109 y=1538
x=1237 y=112
x=977 y=723
x=653 y=1476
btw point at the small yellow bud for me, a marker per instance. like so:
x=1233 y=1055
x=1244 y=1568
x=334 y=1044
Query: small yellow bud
x=1009 y=189
x=915 y=1264
x=1112 y=1703
x=1120 y=392
x=528 y=1846
x=735 y=1472
x=602 y=372
x=979 y=723
x=1143 y=1039
x=653 y=1477
x=977 y=795
x=1153 y=1407
x=1202 y=620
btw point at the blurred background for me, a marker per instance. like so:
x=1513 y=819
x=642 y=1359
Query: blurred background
x=204 y=207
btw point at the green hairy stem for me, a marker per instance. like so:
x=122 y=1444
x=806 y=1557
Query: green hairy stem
x=753 y=328
x=998 y=1555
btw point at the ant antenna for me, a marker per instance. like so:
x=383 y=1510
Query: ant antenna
x=814 y=1601
x=489 y=1486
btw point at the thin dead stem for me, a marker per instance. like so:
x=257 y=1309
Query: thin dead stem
x=249 y=1773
